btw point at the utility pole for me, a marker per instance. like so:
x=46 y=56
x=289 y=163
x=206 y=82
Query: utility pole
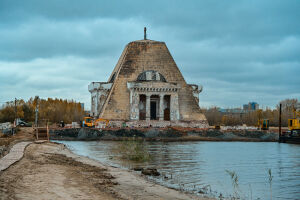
x=15 y=123
x=15 y=108
x=279 y=120
x=36 y=111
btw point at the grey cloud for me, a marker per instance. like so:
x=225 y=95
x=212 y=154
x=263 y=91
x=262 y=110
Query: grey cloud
x=43 y=38
x=211 y=18
x=63 y=77
x=239 y=50
x=96 y=27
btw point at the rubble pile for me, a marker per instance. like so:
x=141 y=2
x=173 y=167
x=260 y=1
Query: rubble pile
x=6 y=128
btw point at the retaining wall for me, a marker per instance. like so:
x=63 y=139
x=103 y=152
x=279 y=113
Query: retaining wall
x=159 y=133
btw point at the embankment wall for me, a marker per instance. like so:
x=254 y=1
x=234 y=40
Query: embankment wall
x=165 y=134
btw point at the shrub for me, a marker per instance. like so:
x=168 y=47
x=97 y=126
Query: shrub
x=133 y=150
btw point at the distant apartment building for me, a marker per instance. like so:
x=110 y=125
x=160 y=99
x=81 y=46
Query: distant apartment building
x=251 y=106
x=231 y=111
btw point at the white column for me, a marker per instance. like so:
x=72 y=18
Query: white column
x=137 y=110
x=97 y=103
x=174 y=107
x=134 y=105
x=161 y=107
x=147 y=107
x=92 y=107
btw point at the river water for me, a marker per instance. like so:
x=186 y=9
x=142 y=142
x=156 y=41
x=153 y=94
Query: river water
x=205 y=166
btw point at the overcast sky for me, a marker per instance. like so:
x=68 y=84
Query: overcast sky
x=240 y=51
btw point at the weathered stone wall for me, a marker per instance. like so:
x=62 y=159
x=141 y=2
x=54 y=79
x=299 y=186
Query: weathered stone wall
x=101 y=100
x=99 y=92
x=134 y=102
x=145 y=55
x=165 y=134
x=160 y=89
x=158 y=124
x=174 y=115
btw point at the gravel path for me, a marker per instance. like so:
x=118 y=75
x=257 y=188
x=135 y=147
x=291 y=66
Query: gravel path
x=14 y=155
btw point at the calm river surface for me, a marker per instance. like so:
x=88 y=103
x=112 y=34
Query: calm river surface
x=195 y=166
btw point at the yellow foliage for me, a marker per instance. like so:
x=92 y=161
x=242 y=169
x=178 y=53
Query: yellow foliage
x=53 y=110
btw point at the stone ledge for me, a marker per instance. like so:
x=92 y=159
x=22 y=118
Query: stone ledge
x=156 y=124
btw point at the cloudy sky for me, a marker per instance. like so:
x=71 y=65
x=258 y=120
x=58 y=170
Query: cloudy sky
x=239 y=50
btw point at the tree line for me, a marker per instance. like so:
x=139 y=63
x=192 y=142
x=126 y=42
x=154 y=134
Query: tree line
x=52 y=110
x=250 y=118
x=57 y=110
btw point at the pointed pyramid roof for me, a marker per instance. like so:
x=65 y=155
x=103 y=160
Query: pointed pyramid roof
x=137 y=57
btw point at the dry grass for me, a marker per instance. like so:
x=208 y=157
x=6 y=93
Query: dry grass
x=132 y=150
x=24 y=134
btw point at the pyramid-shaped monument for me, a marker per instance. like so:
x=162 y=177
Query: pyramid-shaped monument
x=146 y=88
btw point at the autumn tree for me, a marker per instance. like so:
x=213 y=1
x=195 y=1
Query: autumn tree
x=216 y=117
x=52 y=110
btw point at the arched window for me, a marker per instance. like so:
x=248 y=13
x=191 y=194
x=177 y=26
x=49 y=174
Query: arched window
x=151 y=75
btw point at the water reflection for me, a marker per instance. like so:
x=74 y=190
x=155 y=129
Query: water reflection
x=196 y=165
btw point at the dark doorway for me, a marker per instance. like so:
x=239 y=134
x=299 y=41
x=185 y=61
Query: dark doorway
x=167 y=101
x=153 y=110
x=142 y=107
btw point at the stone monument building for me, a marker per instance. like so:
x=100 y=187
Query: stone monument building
x=146 y=88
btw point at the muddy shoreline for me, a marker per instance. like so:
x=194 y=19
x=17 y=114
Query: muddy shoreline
x=51 y=171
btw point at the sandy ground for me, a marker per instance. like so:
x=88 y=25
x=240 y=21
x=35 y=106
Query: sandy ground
x=24 y=134
x=51 y=171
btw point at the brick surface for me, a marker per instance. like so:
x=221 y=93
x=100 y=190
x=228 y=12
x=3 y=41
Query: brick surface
x=158 y=124
x=139 y=56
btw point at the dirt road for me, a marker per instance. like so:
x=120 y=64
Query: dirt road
x=44 y=174
x=51 y=171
